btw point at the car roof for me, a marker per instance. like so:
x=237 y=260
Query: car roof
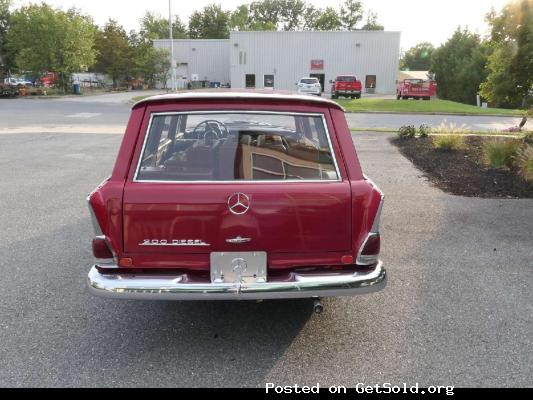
x=284 y=96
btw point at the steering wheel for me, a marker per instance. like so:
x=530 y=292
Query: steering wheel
x=212 y=128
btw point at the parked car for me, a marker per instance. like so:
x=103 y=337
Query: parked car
x=416 y=89
x=309 y=86
x=346 y=86
x=14 y=81
x=236 y=195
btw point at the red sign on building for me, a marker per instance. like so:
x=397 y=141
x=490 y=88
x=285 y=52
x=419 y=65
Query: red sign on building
x=317 y=64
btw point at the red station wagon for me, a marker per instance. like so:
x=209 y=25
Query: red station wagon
x=236 y=195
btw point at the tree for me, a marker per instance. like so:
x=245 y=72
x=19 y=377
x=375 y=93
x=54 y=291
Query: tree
x=42 y=38
x=210 y=23
x=240 y=18
x=114 y=52
x=459 y=66
x=266 y=12
x=310 y=15
x=294 y=15
x=151 y=65
x=291 y=14
x=351 y=13
x=328 y=20
x=372 y=23
x=510 y=63
x=4 y=26
x=418 y=58
x=155 y=26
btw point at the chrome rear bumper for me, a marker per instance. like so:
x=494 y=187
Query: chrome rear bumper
x=157 y=287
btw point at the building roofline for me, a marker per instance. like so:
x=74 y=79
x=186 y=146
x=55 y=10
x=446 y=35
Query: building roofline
x=191 y=40
x=312 y=32
x=239 y=94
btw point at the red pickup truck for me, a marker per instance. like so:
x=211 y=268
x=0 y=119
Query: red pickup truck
x=236 y=195
x=416 y=89
x=346 y=86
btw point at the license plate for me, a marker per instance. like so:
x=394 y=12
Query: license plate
x=239 y=267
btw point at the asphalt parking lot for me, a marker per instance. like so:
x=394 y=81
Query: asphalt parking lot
x=458 y=309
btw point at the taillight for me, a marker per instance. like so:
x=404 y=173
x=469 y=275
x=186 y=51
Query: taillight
x=369 y=251
x=101 y=249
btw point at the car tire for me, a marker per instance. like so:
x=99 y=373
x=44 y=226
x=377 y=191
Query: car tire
x=398 y=96
x=357 y=96
x=427 y=98
x=405 y=97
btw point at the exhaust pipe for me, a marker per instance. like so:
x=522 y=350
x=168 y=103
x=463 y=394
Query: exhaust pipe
x=318 y=307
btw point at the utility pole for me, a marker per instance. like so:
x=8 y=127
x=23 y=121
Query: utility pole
x=172 y=62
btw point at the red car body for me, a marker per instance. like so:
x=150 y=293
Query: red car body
x=416 y=89
x=47 y=80
x=346 y=86
x=155 y=240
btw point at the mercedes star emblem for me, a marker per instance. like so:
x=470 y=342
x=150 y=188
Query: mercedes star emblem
x=239 y=203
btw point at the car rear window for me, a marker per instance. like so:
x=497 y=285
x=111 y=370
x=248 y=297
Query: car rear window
x=188 y=147
x=346 y=79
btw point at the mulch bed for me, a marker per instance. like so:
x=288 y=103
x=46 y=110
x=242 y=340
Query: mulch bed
x=463 y=172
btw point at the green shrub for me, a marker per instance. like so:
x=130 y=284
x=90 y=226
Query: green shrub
x=449 y=142
x=407 y=131
x=424 y=130
x=500 y=153
x=525 y=163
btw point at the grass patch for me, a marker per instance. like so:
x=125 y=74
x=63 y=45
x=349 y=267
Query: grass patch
x=449 y=142
x=500 y=153
x=420 y=106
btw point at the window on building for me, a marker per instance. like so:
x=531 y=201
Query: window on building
x=250 y=81
x=370 y=82
x=268 y=81
x=242 y=57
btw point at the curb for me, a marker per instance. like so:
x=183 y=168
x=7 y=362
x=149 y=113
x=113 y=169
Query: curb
x=481 y=134
x=435 y=113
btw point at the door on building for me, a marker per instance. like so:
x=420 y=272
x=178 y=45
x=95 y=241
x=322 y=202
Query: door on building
x=268 y=81
x=249 y=81
x=321 y=78
x=182 y=75
x=370 y=83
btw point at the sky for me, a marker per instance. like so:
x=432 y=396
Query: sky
x=419 y=20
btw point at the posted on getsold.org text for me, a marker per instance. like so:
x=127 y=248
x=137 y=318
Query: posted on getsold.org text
x=359 y=388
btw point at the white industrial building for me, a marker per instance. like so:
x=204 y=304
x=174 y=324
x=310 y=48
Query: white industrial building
x=269 y=59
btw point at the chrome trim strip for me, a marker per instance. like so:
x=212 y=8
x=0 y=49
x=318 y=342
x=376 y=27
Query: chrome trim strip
x=377 y=217
x=94 y=221
x=174 y=243
x=157 y=287
x=238 y=240
x=221 y=112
